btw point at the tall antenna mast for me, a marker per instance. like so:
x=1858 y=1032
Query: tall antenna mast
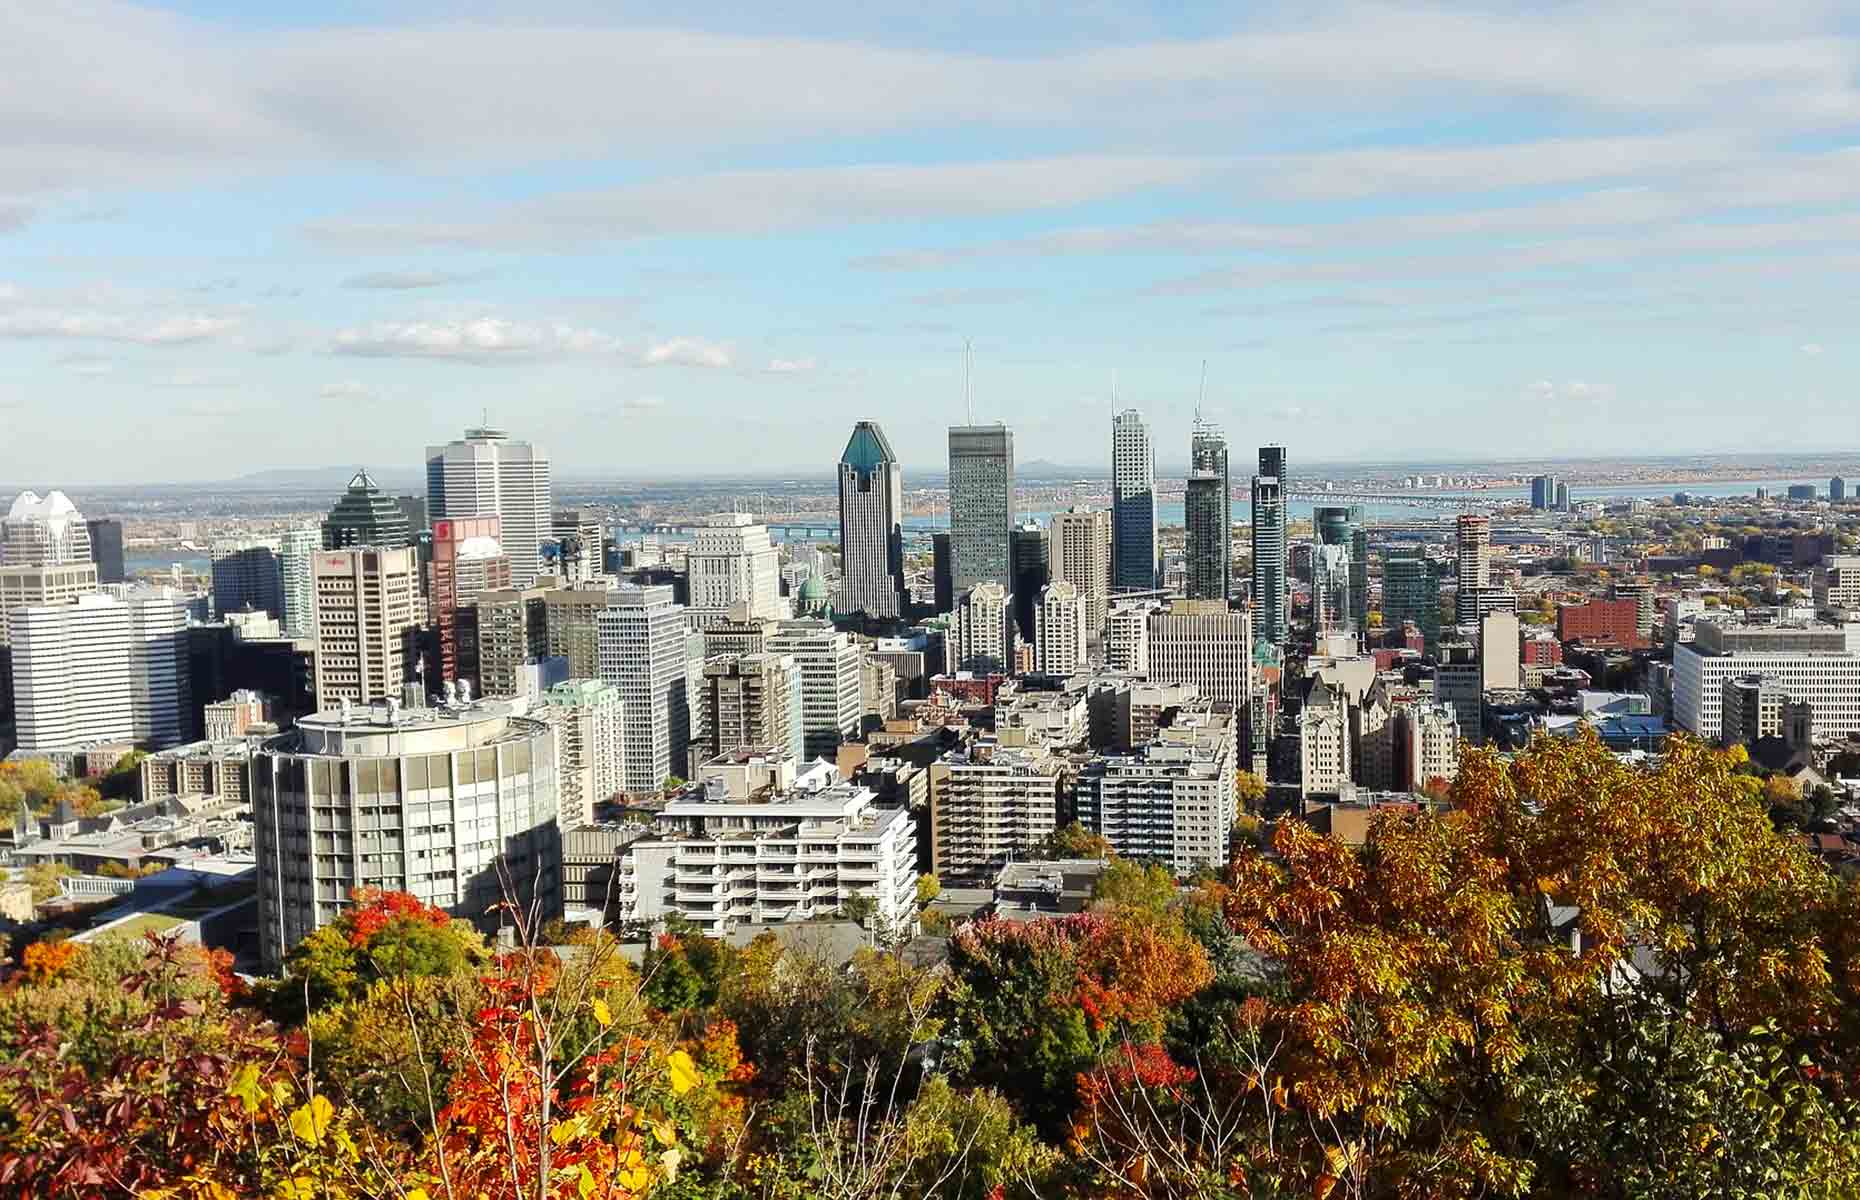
x=1203 y=393
x=1113 y=387
x=968 y=377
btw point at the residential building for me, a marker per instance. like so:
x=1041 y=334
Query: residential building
x=106 y=548
x=754 y=700
x=467 y=562
x=1426 y=745
x=733 y=562
x=1208 y=514
x=981 y=505
x=364 y=516
x=1148 y=707
x=1473 y=556
x=739 y=634
x=879 y=690
x=452 y=807
x=1127 y=636
x=71 y=673
x=643 y=650
x=1324 y=742
x=991 y=804
x=1205 y=643
x=509 y=629
x=487 y=474
x=297 y=550
x=1081 y=556
x=1136 y=555
x=247 y=576
x=590 y=730
x=871 y=525
x=1173 y=800
x=1271 y=610
x=981 y=631
x=1812 y=663
x=1061 y=630
x=1646 y=603
x=832 y=696
x=368 y=613
x=723 y=865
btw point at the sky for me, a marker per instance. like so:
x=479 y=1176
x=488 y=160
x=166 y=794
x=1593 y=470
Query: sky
x=667 y=238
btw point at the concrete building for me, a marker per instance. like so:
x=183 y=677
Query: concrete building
x=71 y=673
x=1411 y=592
x=571 y=617
x=1499 y=652
x=590 y=730
x=1061 y=628
x=38 y=584
x=368 y=613
x=1837 y=582
x=644 y=652
x=1457 y=681
x=297 y=550
x=1813 y=663
x=1646 y=603
x=1208 y=514
x=467 y=562
x=106 y=548
x=1616 y=621
x=1172 y=801
x=365 y=516
x=725 y=865
x=732 y=562
x=1426 y=745
x=1331 y=569
x=981 y=631
x=44 y=530
x=160 y=689
x=1324 y=741
x=832 y=696
x=247 y=575
x=485 y=473
x=1472 y=549
x=1750 y=707
x=577 y=549
x=1148 y=707
x=1271 y=588
x=871 y=525
x=230 y=718
x=981 y=504
x=1081 y=556
x=453 y=806
x=754 y=700
x=509 y=628
x=1127 y=636
x=1205 y=643
x=1136 y=555
x=991 y=804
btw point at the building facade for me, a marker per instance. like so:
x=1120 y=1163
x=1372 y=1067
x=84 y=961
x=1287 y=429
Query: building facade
x=365 y=516
x=1061 y=630
x=990 y=805
x=248 y=575
x=754 y=700
x=485 y=473
x=71 y=673
x=1136 y=557
x=1805 y=663
x=1205 y=643
x=467 y=562
x=981 y=504
x=106 y=548
x=297 y=550
x=1081 y=556
x=1271 y=587
x=1472 y=552
x=1171 y=801
x=871 y=525
x=590 y=730
x=1208 y=514
x=642 y=651
x=981 y=631
x=732 y=562
x=368 y=612
x=832 y=695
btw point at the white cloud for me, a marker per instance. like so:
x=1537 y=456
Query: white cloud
x=346 y=389
x=482 y=340
x=643 y=402
x=1569 y=394
x=1812 y=348
x=685 y=352
x=401 y=281
x=790 y=366
x=115 y=327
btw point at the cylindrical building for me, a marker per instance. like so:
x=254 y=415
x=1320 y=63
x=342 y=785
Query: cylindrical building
x=443 y=803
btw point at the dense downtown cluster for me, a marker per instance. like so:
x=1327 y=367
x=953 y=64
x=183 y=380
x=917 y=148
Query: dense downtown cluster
x=1581 y=978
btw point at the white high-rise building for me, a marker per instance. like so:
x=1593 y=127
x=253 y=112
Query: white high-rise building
x=160 y=690
x=1079 y=552
x=297 y=550
x=368 y=611
x=1060 y=633
x=832 y=693
x=1205 y=643
x=871 y=524
x=1172 y=800
x=1473 y=551
x=39 y=531
x=731 y=563
x=487 y=474
x=590 y=731
x=1816 y=663
x=72 y=673
x=981 y=631
x=1127 y=636
x=1135 y=556
x=642 y=649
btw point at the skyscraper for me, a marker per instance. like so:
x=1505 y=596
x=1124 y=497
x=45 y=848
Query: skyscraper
x=368 y=613
x=1134 y=551
x=297 y=549
x=71 y=673
x=754 y=700
x=1411 y=592
x=732 y=562
x=1543 y=493
x=247 y=576
x=832 y=697
x=1343 y=526
x=1030 y=556
x=487 y=474
x=42 y=530
x=467 y=562
x=580 y=544
x=981 y=631
x=106 y=548
x=943 y=581
x=871 y=525
x=364 y=516
x=981 y=504
x=1081 y=556
x=1473 y=554
x=1059 y=639
x=642 y=650
x=159 y=684
x=1269 y=583
x=1208 y=513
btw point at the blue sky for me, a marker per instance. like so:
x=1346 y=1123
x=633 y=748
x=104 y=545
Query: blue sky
x=673 y=237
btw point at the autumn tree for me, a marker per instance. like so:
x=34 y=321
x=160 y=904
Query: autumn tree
x=1073 y=841
x=381 y=935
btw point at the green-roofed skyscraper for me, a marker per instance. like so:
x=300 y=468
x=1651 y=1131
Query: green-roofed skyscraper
x=871 y=525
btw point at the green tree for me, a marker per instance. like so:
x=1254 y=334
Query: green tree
x=1249 y=790
x=928 y=889
x=44 y=877
x=1073 y=841
x=1139 y=887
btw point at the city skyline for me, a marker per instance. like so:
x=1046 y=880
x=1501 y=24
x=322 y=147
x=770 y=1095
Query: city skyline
x=355 y=223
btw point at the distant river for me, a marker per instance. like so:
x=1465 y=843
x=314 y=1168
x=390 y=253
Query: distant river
x=135 y=561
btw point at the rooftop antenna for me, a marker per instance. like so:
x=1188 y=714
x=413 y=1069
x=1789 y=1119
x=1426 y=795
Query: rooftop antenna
x=968 y=377
x=1203 y=393
x=1113 y=387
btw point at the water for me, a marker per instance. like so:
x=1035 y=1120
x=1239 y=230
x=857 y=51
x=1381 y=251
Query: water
x=160 y=561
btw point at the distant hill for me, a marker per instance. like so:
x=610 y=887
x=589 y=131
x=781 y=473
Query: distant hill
x=330 y=478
